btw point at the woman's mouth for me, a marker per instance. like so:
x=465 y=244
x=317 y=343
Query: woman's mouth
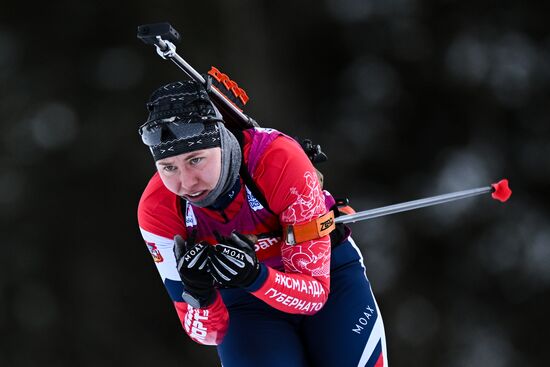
x=196 y=196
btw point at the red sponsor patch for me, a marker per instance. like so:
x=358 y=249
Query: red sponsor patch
x=157 y=257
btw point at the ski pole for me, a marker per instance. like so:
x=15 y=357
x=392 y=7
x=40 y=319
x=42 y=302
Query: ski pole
x=500 y=191
x=163 y=36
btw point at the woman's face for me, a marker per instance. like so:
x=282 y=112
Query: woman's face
x=191 y=175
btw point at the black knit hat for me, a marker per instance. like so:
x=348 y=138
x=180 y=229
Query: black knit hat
x=182 y=118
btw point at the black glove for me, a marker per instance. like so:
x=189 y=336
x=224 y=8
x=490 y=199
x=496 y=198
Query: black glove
x=192 y=265
x=233 y=261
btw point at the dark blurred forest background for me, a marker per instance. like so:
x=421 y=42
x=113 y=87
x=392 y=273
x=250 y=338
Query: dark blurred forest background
x=408 y=98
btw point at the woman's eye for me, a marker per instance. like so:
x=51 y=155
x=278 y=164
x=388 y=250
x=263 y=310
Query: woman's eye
x=195 y=161
x=169 y=168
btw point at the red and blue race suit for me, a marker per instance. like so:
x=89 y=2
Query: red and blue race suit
x=287 y=316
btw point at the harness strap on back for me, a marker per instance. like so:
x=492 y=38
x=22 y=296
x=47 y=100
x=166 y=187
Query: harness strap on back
x=248 y=181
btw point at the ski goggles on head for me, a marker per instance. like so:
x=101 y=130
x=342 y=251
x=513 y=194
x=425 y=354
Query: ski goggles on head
x=154 y=133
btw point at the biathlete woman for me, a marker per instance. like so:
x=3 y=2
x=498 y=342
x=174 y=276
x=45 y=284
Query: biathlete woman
x=242 y=235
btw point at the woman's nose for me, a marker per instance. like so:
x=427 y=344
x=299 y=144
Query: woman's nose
x=187 y=181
